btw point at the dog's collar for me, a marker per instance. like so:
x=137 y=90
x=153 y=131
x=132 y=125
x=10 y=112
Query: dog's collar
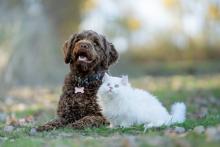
x=84 y=82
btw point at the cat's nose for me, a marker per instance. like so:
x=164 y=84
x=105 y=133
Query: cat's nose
x=110 y=87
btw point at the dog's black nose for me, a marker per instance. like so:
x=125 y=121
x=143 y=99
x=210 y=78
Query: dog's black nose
x=84 y=45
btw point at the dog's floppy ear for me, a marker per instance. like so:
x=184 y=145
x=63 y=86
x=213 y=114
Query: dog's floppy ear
x=111 y=54
x=67 y=49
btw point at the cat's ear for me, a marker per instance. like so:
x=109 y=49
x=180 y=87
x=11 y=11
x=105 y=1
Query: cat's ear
x=105 y=78
x=124 y=80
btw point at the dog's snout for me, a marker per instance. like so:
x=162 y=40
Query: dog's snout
x=84 y=45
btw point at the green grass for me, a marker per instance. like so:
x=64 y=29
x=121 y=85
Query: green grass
x=196 y=91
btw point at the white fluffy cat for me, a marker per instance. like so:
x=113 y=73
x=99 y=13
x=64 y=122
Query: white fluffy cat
x=125 y=106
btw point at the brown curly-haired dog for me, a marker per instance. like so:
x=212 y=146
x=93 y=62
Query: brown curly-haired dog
x=89 y=56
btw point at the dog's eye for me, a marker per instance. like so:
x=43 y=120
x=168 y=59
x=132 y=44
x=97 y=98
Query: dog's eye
x=96 y=43
x=116 y=85
x=77 y=40
x=108 y=84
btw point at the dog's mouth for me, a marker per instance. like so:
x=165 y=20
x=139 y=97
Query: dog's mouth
x=83 y=57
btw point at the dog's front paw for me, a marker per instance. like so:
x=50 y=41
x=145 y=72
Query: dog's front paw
x=76 y=125
x=53 y=124
x=44 y=128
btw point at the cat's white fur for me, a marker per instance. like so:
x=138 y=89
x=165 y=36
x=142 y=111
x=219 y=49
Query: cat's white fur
x=125 y=106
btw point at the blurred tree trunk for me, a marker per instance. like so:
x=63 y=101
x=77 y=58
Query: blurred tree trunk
x=65 y=15
x=42 y=27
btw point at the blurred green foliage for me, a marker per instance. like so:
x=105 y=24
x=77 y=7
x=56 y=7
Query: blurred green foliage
x=32 y=33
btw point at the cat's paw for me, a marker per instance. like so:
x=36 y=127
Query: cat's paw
x=125 y=124
x=111 y=126
x=148 y=126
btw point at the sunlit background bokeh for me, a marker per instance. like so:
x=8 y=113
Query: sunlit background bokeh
x=171 y=48
x=154 y=37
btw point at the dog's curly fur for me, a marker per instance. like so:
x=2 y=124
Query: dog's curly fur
x=80 y=110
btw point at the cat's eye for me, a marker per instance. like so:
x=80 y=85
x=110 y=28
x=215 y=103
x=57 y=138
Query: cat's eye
x=116 y=85
x=108 y=84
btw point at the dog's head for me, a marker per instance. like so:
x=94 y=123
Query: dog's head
x=88 y=51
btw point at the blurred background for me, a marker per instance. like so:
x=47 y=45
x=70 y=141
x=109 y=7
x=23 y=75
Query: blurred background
x=155 y=38
x=170 y=48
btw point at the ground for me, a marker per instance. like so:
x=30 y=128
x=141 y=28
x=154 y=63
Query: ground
x=27 y=107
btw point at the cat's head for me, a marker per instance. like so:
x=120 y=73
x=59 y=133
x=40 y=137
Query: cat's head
x=112 y=86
